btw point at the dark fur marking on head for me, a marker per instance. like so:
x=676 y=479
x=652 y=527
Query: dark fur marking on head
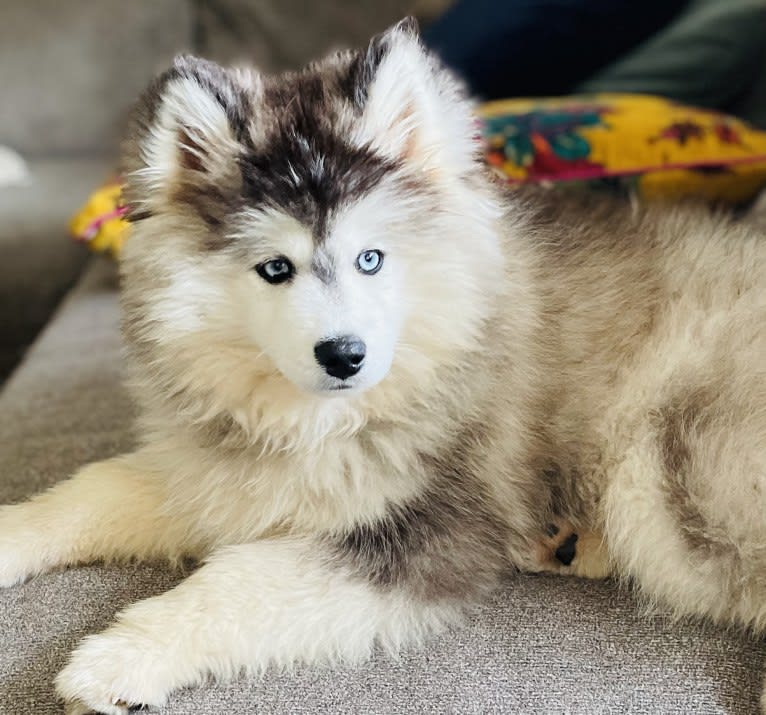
x=446 y=544
x=213 y=78
x=355 y=82
x=220 y=85
x=679 y=423
x=559 y=480
x=304 y=168
x=211 y=204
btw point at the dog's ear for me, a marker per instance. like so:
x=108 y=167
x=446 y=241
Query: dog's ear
x=186 y=131
x=412 y=107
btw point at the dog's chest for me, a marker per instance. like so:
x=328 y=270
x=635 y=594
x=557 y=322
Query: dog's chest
x=248 y=495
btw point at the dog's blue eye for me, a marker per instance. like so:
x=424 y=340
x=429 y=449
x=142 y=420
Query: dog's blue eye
x=369 y=262
x=277 y=270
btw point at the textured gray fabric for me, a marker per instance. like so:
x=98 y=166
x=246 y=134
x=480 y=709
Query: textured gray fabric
x=543 y=645
x=69 y=70
x=39 y=262
x=65 y=406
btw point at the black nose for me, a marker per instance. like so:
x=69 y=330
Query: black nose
x=341 y=357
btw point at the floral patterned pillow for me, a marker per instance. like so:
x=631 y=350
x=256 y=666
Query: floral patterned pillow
x=648 y=145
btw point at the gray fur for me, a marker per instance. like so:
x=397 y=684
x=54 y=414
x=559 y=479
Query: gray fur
x=322 y=266
x=448 y=543
x=681 y=423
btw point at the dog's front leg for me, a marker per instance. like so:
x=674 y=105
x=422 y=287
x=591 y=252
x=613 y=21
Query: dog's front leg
x=108 y=510
x=279 y=601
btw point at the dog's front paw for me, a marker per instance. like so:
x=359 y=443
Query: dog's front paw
x=109 y=675
x=80 y=708
x=12 y=571
x=17 y=562
x=22 y=547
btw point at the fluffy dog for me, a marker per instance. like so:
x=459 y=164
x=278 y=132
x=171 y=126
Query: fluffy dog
x=371 y=383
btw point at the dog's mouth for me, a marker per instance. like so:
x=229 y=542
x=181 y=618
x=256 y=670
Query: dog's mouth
x=335 y=388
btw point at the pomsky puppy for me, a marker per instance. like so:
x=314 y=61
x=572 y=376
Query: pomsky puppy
x=371 y=382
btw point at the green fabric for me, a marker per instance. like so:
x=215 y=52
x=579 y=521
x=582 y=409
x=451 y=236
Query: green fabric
x=712 y=55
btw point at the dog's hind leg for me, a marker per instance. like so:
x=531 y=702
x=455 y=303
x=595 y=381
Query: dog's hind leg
x=108 y=510
x=686 y=505
x=573 y=553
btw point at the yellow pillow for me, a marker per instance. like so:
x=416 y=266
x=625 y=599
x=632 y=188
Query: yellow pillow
x=653 y=146
x=100 y=222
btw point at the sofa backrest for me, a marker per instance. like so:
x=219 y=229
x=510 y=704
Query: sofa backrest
x=69 y=70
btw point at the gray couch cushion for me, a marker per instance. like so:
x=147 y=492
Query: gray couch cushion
x=39 y=262
x=69 y=70
x=543 y=645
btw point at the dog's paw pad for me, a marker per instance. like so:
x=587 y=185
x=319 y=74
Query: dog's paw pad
x=557 y=547
x=561 y=550
x=567 y=551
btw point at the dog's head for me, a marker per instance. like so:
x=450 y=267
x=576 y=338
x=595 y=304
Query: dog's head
x=312 y=229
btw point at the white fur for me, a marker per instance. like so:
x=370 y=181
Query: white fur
x=250 y=606
x=289 y=320
x=188 y=119
x=412 y=111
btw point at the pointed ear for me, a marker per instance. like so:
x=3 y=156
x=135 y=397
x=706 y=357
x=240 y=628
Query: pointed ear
x=187 y=131
x=413 y=108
